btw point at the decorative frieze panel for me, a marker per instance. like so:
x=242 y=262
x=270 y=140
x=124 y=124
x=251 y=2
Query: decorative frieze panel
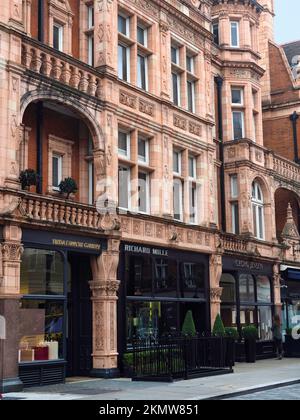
x=133 y=102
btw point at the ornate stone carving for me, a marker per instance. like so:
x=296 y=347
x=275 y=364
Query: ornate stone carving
x=216 y=294
x=146 y=107
x=180 y=122
x=128 y=99
x=110 y=222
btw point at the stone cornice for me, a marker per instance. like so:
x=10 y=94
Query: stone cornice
x=252 y=3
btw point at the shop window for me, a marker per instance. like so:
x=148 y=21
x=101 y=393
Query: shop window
x=265 y=324
x=263 y=289
x=247 y=289
x=228 y=284
x=139 y=280
x=165 y=281
x=42 y=273
x=248 y=316
x=41 y=330
x=229 y=315
x=192 y=280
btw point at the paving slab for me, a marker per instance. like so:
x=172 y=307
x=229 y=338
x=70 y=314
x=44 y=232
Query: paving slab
x=246 y=378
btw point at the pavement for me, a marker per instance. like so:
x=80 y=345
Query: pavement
x=247 y=379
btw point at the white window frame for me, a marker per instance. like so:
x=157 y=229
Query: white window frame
x=145 y=29
x=237 y=23
x=257 y=208
x=234 y=186
x=141 y=159
x=91 y=17
x=128 y=186
x=194 y=159
x=121 y=76
x=127 y=19
x=90 y=50
x=178 y=89
x=193 y=97
x=122 y=153
x=234 y=209
x=193 y=219
x=241 y=90
x=60 y=28
x=175 y=47
x=243 y=122
x=192 y=58
x=139 y=75
x=147 y=192
x=179 y=182
x=179 y=154
x=59 y=159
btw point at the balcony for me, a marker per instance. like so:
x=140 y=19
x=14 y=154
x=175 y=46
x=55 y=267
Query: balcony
x=232 y=243
x=27 y=207
x=57 y=66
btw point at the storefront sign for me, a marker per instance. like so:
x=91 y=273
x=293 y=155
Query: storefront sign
x=137 y=249
x=58 y=240
x=249 y=265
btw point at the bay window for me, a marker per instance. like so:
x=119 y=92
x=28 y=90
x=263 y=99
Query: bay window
x=238 y=125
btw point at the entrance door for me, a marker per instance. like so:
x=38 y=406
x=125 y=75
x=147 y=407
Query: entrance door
x=79 y=340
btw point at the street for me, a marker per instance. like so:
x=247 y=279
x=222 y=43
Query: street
x=287 y=394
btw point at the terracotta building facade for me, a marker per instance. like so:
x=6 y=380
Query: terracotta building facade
x=175 y=124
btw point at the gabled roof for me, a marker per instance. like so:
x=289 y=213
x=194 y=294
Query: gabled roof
x=292 y=50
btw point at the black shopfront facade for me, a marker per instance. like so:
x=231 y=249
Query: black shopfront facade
x=158 y=287
x=248 y=299
x=55 y=331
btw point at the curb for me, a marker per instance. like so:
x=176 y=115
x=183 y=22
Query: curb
x=252 y=391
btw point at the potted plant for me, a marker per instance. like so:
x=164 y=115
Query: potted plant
x=188 y=327
x=232 y=335
x=28 y=178
x=128 y=365
x=250 y=335
x=68 y=186
x=218 y=329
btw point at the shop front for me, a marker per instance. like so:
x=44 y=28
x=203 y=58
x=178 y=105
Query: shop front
x=55 y=331
x=248 y=299
x=158 y=287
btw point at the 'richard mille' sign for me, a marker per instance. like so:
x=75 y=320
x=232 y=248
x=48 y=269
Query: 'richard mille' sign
x=137 y=249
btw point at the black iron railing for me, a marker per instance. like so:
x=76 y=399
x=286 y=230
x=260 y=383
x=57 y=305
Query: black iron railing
x=170 y=358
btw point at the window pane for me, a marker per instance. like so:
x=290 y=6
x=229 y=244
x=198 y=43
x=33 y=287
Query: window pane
x=174 y=55
x=123 y=63
x=123 y=144
x=229 y=288
x=143 y=192
x=142 y=72
x=247 y=293
x=237 y=96
x=56 y=37
x=139 y=277
x=55 y=171
x=177 y=197
x=91 y=50
x=265 y=323
x=234 y=186
x=41 y=330
x=142 y=36
x=229 y=315
x=190 y=63
x=248 y=316
x=238 y=130
x=176 y=163
x=216 y=34
x=142 y=150
x=42 y=273
x=190 y=94
x=165 y=277
x=192 y=280
x=124 y=180
x=123 y=25
x=176 y=84
x=235 y=218
x=151 y=319
x=193 y=203
x=263 y=289
x=234 y=34
x=192 y=167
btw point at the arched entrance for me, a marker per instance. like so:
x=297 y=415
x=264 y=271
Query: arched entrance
x=283 y=198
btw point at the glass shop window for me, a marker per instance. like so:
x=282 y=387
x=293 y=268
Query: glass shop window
x=193 y=280
x=165 y=277
x=247 y=292
x=229 y=288
x=41 y=330
x=42 y=272
x=264 y=289
x=139 y=281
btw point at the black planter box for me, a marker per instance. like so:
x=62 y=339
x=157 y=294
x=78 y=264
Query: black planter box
x=291 y=347
x=250 y=351
x=264 y=350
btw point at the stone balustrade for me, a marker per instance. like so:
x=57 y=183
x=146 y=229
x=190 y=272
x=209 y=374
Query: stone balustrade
x=234 y=244
x=50 y=63
x=286 y=169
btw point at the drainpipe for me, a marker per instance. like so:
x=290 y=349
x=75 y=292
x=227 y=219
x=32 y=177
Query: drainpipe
x=39 y=146
x=219 y=83
x=294 y=117
x=41 y=28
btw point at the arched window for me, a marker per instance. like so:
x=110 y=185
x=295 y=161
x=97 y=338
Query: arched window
x=258 y=211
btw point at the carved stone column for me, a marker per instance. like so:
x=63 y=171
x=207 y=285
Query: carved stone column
x=277 y=288
x=104 y=288
x=10 y=262
x=216 y=269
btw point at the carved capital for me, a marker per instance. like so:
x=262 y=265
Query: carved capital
x=216 y=294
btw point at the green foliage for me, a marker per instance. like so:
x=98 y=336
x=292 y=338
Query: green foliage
x=188 y=327
x=218 y=329
x=68 y=187
x=128 y=359
x=232 y=333
x=28 y=178
x=250 y=333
